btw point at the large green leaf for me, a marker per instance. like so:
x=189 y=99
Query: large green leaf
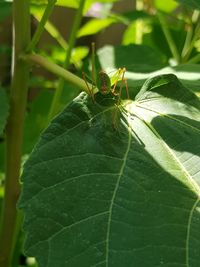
x=117 y=186
x=136 y=58
x=4 y=107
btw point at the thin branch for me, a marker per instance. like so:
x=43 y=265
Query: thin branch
x=58 y=94
x=168 y=37
x=36 y=37
x=56 y=69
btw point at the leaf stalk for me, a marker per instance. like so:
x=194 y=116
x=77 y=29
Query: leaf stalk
x=168 y=36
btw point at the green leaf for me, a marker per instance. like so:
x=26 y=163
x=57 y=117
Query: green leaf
x=167 y=7
x=117 y=186
x=4 y=108
x=189 y=74
x=191 y=3
x=78 y=54
x=138 y=58
x=94 y=26
x=142 y=62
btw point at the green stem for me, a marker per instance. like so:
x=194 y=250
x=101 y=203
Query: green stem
x=168 y=37
x=58 y=94
x=14 y=130
x=187 y=41
x=56 y=69
x=94 y=71
x=36 y=37
x=191 y=45
x=52 y=30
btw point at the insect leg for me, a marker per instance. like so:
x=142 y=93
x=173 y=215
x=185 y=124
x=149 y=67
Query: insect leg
x=117 y=74
x=125 y=82
x=90 y=91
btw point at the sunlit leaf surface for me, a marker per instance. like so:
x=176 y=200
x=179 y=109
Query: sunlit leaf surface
x=117 y=185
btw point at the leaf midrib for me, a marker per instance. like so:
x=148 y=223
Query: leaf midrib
x=114 y=194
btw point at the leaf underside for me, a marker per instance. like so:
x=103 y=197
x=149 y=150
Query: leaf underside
x=118 y=185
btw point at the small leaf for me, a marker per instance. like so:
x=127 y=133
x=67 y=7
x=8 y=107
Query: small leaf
x=123 y=196
x=167 y=7
x=94 y=26
x=4 y=108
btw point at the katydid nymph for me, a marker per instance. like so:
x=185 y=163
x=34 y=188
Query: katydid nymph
x=108 y=93
x=104 y=83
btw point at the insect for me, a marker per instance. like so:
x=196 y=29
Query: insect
x=109 y=88
x=105 y=84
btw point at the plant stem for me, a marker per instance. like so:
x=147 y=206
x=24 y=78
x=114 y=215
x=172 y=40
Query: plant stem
x=40 y=28
x=187 y=41
x=168 y=37
x=94 y=71
x=58 y=93
x=191 y=46
x=52 y=30
x=14 y=130
x=56 y=69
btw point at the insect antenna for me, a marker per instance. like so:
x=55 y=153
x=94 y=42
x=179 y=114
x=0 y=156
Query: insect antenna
x=94 y=73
